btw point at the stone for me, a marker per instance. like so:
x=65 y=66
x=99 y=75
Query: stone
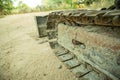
x=60 y=67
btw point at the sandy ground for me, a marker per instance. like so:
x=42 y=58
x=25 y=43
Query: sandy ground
x=22 y=57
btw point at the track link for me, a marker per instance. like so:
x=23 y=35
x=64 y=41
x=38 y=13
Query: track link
x=82 y=70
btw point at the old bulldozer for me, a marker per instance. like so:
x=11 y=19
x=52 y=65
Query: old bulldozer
x=86 y=41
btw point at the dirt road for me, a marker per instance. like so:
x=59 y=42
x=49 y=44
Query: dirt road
x=21 y=55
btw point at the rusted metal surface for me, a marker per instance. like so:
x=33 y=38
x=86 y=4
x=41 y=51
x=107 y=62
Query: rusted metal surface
x=86 y=41
x=92 y=37
x=95 y=50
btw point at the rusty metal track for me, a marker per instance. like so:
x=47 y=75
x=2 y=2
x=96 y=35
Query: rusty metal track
x=84 y=70
x=86 y=17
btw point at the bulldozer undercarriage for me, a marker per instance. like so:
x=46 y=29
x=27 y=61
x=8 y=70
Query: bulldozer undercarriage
x=86 y=41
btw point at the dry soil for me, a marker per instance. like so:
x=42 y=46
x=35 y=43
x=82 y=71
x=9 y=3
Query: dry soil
x=22 y=57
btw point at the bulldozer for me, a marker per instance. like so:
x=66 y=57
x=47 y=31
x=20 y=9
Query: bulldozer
x=87 y=42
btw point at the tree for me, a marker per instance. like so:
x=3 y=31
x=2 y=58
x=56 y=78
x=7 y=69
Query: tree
x=6 y=6
x=58 y=3
x=23 y=8
x=77 y=3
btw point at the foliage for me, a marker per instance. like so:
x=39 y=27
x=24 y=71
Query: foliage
x=98 y=4
x=6 y=6
x=63 y=4
x=22 y=7
x=88 y=2
x=58 y=4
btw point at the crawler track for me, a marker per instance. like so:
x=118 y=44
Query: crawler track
x=81 y=19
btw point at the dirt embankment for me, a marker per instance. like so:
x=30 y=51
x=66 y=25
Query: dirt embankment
x=21 y=55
